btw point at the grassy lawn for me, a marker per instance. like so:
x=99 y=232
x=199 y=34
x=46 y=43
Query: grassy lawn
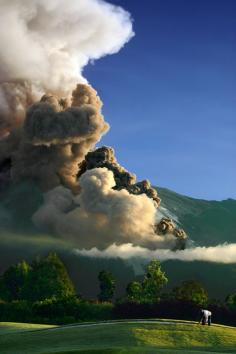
x=117 y=338
x=11 y=327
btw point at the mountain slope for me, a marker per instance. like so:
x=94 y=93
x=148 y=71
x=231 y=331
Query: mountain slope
x=206 y=222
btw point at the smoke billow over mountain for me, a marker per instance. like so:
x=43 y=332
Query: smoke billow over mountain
x=55 y=140
x=51 y=120
x=100 y=215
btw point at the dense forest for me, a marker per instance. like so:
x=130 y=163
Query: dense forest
x=43 y=292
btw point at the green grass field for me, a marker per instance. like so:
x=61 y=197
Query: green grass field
x=124 y=337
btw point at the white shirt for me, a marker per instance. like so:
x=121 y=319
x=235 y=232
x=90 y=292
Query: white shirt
x=206 y=314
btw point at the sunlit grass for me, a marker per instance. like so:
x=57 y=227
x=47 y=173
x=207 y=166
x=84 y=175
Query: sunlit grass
x=117 y=337
x=12 y=327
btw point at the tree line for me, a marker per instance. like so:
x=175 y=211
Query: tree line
x=43 y=292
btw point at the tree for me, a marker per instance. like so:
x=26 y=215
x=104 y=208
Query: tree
x=231 y=302
x=13 y=281
x=107 y=286
x=149 y=289
x=153 y=282
x=191 y=291
x=134 y=292
x=48 y=279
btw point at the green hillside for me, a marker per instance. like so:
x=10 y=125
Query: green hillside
x=219 y=279
x=206 y=222
x=118 y=337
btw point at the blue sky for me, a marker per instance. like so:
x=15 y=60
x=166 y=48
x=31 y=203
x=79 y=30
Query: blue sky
x=170 y=95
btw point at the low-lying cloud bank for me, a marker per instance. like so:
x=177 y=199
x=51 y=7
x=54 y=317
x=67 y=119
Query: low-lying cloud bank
x=224 y=253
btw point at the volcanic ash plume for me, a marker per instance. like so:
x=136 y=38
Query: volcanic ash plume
x=100 y=215
x=55 y=138
x=44 y=45
x=48 y=135
x=89 y=198
x=105 y=157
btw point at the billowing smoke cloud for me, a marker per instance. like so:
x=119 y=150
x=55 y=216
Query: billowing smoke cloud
x=48 y=134
x=15 y=97
x=100 y=215
x=56 y=138
x=44 y=45
x=91 y=205
x=225 y=253
x=105 y=157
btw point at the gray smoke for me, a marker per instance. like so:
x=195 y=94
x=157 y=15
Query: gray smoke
x=105 y=157
x=54 y=139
